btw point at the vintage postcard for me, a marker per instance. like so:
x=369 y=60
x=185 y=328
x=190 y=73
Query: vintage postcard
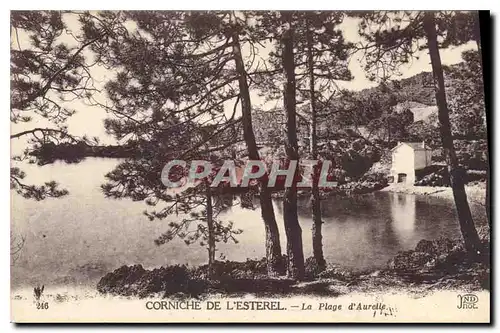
x=249 y=166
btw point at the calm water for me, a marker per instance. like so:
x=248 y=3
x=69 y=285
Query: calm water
x=77 y=239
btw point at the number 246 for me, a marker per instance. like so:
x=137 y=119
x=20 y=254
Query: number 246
x=42 y=305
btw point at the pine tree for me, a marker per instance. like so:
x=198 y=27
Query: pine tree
x=194 y=68
x=326 y=55
x=273 y=247
x=46 y=72
x=317 y=57
x=293 y=230
x=393 y=38
x=457 y=174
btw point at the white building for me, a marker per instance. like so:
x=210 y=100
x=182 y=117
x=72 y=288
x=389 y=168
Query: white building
x=408 y=157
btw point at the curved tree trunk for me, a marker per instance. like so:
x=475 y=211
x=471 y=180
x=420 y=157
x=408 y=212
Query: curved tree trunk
x=317 y=236
x=469 y=232
x=273 y=247
x=295 y=251
x=477 y=38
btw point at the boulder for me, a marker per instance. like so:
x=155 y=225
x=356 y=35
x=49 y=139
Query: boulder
x=118 y=281
x=336 y=272
x=442 y=254
x=135 y=280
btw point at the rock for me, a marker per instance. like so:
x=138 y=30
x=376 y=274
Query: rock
x=484 y=233
x=440 y=256
x=115 y=281
x=135 y=280
x=312 y=268
x=336 y=272
x=425 y=246
x=445 y=245
x=410 y=261
x=436 y=177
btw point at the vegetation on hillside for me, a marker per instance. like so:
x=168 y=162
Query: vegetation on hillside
x=182 y=89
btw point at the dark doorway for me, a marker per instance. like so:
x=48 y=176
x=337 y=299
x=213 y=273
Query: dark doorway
x=401 y=177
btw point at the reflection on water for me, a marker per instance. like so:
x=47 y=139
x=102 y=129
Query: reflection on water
x=77 y=239
x=403 y=213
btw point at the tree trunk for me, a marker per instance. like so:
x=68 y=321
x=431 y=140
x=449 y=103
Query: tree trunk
x=488 y=174
x=477 y=38
x=456 y=173
x=211 y=232
x=315 y=197
x=273 y=247
x=292 y=227
x=275 y=264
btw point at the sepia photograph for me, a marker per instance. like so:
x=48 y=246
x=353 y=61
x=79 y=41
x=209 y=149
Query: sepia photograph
x=249 y=166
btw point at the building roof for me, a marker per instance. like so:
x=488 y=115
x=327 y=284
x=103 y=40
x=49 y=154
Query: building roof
x=413 y=145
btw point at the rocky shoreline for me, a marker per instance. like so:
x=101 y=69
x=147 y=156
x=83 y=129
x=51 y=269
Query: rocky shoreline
x=432 y=265
x=475 y=192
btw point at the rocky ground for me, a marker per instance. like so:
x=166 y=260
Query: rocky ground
x=440 y=264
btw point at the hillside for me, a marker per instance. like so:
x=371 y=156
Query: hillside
x=395 y=110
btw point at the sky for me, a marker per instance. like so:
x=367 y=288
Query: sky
x=88 y=120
